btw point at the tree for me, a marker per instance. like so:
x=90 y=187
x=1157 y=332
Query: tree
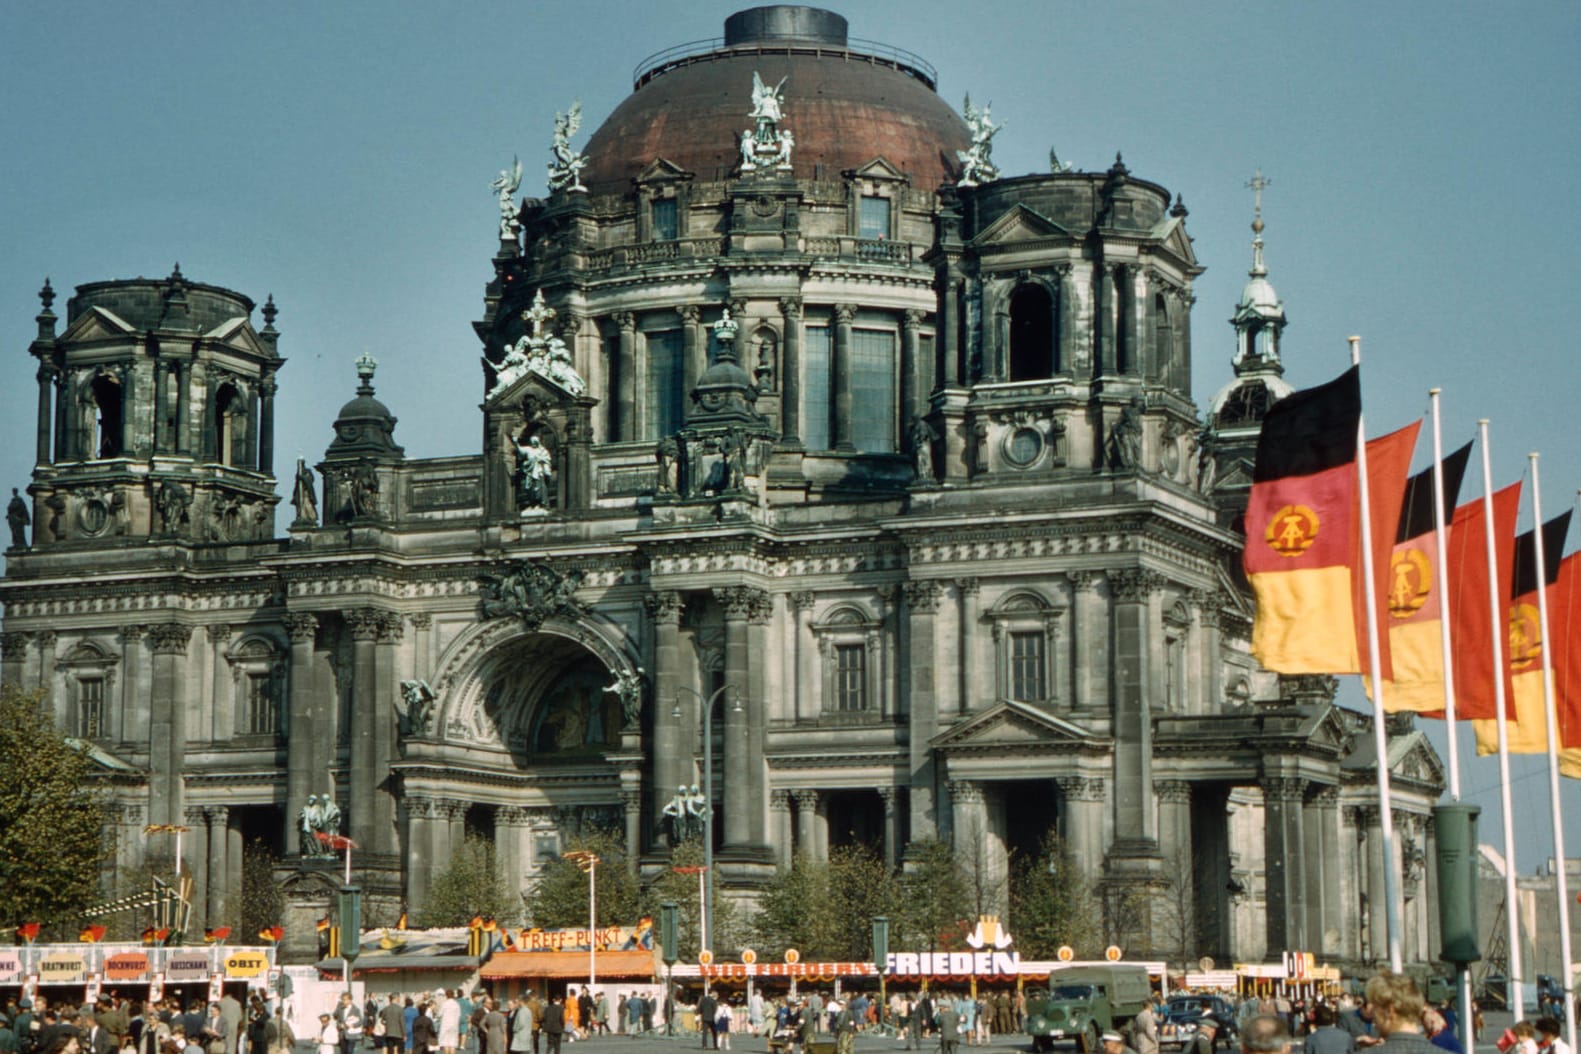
x=51 y=829
x=263 y=905
x=825 y=909
x=681 y=890
x=1175 y=919
x=1052 y=903
x=468 y=885
x=934 y=900
x=558 y=898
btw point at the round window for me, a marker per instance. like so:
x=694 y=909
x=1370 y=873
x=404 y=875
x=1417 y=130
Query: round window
x=1023 y=446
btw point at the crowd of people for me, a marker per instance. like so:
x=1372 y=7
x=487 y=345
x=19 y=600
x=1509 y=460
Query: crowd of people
x=116 y=1024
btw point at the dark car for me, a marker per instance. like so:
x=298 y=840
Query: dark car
x=1177 y=1025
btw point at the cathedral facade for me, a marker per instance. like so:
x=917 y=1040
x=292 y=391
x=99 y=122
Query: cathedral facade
x=808 y=419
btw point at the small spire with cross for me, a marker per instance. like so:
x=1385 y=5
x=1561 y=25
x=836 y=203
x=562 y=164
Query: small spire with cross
x=538 y=314
x=1257 y=184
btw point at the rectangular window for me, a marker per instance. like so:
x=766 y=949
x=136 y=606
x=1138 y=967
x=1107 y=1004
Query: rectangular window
x=665 y=220
x=90 y=708
x=666 y=396
x=873 y=219
x=816 y=392
x=259 y=708
x=1027 y=682
x=873 y=390
x=850 y=677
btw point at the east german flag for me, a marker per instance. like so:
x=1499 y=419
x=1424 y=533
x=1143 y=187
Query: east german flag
x=1526 y=719
x=1564 y=615
x=1303 y=527
x=1468 y=597
x=1416 y=650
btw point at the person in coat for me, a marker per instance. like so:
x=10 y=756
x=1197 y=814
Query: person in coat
x=554 y=1023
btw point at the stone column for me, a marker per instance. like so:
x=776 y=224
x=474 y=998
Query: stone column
x=266 y=393
x=631 y=810
x=225 y=698
x=844 y=404
x=626 y=395
x=510 y=828
x=1320 y=825
x=364 y=625
x=694 y=347
x=759 y=610
x=669 y=762
x=1065 y=321
x=1210 y=676
x=46 y=377
x=736 y=601
x=1377 y=929
x=195 y=860
x=1090 y=646
x=303 y=629
x=1133 y=725
x=233 y=874
x=805 y=688
x=1284 y=865
x=184 y=381
x=892 y=847
x=915 y=380
x=971 y=689
x=883 y=652
x=218 y=867
x=968 y=820
x=422 y=623
x=780 y=825
x=454 y=828
x=392 y=627
x=947 y=345
x=1174 y=826
x=45 y=639
x=63 y=410
x=790 y=373
x=423 y=823
x=806 y=822
x=167 y=739
x=1083 y=813
x=130 y=721
x=922 y=604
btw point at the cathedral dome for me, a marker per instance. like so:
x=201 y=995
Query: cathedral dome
x=846 y=101
x=1259 y=296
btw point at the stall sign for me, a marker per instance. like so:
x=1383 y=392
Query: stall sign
x=185 y=969
x=62 y=968
x=952 y=964
x=810 y=971
x=10 y=967
x=243 y=966
x=127 y=966
x=605 y=938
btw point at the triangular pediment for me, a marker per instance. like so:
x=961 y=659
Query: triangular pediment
x=530 y=387
x=1020 y=224
x=97 y=324
x=1009 y=725
x=1174 y=240
x=237 y=335
x=1412 y=758
x=878 y=168
x=661 y=171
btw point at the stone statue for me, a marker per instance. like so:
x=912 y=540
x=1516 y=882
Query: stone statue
x=767 y=105
x=363 y=491
x=922 y=438
x=506 y=185
x=319 y=816
x=733 y=451
x=304 y=496
x=628 y=686
x=1056 y=166
x=1125 y=438
x=547 y=356
x=748 y=151
x=534 y=470
x=414 y=709
x=565 y=171
x=17 y=518
x=667 y=455
x=976 y=164
x=787 y=141
x=172 y=502
x=308 y=821
x=1207 y=462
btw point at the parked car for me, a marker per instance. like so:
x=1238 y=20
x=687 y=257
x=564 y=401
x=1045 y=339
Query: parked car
x=1177 y=1025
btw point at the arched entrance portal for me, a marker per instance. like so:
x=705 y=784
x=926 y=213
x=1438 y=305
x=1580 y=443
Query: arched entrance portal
x=545 y=697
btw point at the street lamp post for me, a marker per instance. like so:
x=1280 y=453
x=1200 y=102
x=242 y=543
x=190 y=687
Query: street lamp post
x=708 y=792
x=587 y=860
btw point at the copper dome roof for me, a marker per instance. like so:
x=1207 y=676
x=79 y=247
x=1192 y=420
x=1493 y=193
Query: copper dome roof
x=846 y=102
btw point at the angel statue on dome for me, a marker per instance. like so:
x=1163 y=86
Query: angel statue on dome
x=565 y=171
x=766 y=101
x=506 y=185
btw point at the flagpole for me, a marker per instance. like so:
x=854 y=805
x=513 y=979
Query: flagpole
x=1391 y=866
x=1507 y=812
x=1561 y=886
x=1441 y=552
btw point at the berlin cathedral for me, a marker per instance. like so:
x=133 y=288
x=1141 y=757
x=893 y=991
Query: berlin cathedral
x=806 y=441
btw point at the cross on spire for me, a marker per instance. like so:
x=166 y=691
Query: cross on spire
x=1258 y=183
x=538 y=314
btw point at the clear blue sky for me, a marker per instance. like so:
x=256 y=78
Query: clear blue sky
x=1424 y=159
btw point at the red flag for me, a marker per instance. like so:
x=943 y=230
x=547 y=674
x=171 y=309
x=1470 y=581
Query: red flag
x=1564 y=614
x=1468 y=597
x=1526 y=714
x=1388 y=471
x=91 y=934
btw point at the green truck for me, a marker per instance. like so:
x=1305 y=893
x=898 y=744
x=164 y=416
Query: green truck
x=1082 y=1002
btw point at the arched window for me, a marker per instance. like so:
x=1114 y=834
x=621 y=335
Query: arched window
x=107 y=417
x=1032 y=352
x=229 y=423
